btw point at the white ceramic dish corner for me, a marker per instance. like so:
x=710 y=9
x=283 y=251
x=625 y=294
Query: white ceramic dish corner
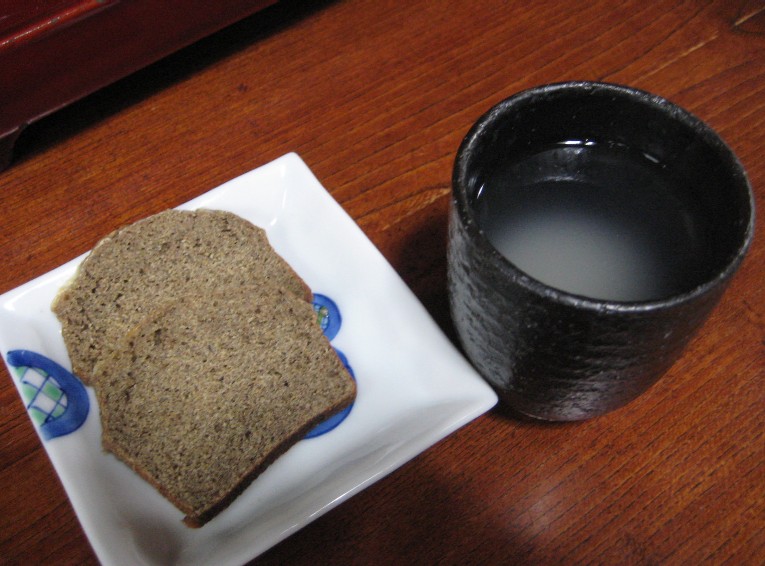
x=414 y=388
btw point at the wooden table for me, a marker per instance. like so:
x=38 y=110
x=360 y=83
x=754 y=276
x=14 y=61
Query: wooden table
x=376 y=96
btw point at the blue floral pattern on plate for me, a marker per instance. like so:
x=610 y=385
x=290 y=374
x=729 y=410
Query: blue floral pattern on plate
x=330 y=320
x=328 y=315
x=56 y=400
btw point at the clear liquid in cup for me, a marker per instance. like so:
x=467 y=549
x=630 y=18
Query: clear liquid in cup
x=594 y=219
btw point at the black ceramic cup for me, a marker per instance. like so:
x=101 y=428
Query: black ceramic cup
x=593 y=228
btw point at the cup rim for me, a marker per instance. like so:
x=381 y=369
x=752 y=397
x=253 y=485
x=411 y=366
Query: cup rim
x=467 y=215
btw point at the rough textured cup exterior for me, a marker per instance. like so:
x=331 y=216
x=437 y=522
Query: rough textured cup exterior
x=558 y=356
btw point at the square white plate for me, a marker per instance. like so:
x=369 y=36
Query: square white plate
x=414 y=388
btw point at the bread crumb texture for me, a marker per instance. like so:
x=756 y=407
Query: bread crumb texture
x=200 y=397
x=139 y=266
x=204 y=352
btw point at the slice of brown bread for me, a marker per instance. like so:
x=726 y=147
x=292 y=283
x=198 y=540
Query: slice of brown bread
x=139 y=266
x=203 y=394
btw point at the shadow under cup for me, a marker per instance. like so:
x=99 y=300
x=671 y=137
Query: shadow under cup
x=593 y=228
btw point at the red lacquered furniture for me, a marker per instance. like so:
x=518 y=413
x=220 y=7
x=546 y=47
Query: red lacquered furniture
x=54 y=52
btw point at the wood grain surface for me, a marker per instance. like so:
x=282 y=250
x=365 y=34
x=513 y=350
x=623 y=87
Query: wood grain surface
x=375 y=96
